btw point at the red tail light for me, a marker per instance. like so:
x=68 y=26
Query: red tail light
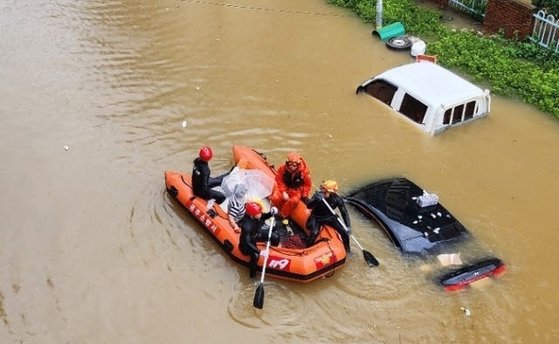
x=500 y=270
x=454 y=287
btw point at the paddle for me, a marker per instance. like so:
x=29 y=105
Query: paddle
x=259 y=294
x=369 y=258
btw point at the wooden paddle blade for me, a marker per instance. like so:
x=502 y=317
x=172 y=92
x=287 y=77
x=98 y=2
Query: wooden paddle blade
x=370 y=259
x=259 y=297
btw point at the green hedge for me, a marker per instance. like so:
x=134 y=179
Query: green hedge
x=550 y=6
x=512 y=68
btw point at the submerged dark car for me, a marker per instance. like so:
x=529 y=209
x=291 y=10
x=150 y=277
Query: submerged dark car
x=419 y=225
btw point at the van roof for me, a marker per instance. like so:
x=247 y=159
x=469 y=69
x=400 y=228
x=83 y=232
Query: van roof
x=431 y=83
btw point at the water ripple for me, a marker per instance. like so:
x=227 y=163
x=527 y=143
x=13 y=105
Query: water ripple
x=283 y=306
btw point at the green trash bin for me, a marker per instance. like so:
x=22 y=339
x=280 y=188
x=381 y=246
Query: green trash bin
x=393 y=30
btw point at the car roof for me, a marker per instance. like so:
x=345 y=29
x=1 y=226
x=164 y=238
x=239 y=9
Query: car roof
x=416 y=228
x=431 y=83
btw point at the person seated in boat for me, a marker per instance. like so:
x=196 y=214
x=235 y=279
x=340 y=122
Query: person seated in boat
x=202 y=183
x=293 y=183
x=251 y=231
x=322 y=215
x=236 y=206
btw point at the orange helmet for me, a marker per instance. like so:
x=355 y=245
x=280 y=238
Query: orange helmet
x=206 y=153
x=253 y=208
x=293 y=157
x=329 y=185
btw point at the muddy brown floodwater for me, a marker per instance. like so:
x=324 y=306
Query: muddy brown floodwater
x=93 y=95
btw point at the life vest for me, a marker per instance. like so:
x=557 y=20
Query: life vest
x=293 y=180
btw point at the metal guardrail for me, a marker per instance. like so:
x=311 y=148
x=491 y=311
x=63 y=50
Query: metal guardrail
x=546 y=31
x=476 y=7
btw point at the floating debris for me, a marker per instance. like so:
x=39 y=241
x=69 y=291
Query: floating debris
x=184 y=124
x=447 y=259
x=66 y=148
x=466 y=311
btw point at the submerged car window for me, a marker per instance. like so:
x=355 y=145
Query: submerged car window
x=381 y=90
x=447 y=114
x=457 y=116
x=470 y=108
x=413 y=108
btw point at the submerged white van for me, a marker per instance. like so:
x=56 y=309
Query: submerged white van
x=432 y=97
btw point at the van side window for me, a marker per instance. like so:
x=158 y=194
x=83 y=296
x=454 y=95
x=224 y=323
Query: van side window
x=413 y=108
x=457 y=115
x=470 y=108
x=381 y=90
x=446 y=118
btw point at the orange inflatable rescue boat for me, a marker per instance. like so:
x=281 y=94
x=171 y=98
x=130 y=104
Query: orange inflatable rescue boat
x=296 y=264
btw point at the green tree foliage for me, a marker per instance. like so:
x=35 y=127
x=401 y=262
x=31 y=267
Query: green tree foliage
x=512 y=68
x=551 y=6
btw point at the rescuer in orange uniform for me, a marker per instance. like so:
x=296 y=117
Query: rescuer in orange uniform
x=293 y=183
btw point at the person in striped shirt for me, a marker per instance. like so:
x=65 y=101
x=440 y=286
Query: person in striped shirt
x=236 y=206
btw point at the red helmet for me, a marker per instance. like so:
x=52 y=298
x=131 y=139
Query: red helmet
x=253 y=208
x=206 y=153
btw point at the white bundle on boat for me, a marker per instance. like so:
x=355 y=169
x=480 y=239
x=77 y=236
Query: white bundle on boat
x=427 y=199
x=259 y=184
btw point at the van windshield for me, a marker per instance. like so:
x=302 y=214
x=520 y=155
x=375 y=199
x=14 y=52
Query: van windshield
x=381 y=90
